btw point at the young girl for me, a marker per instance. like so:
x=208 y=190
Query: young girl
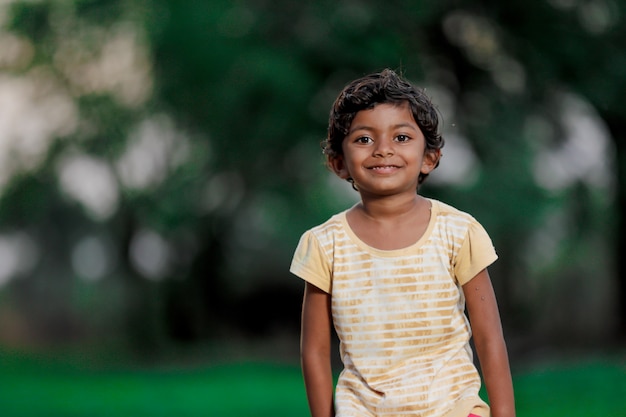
x=394 y=273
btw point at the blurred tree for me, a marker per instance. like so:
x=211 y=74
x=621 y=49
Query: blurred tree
x=578 y=47
x=171 y=159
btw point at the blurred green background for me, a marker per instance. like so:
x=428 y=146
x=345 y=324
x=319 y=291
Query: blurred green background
x=160 y=159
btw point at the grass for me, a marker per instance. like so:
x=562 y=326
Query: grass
x=595 y=388
x=31 y=388
x=237 y=390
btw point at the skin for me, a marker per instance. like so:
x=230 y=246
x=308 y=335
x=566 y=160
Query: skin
x=482 y=309
x=383 y=153
x=315 y=351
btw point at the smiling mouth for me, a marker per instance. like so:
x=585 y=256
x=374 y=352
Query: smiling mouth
x=384 y=167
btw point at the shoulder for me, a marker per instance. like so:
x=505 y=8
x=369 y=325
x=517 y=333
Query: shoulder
x=456 y=224
x=333 y=223
x=326 y=231
x=449 y=213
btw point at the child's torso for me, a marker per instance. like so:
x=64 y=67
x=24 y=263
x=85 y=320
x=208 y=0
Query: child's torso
x=399 y=315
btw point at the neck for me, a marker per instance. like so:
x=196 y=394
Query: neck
x=390 y=207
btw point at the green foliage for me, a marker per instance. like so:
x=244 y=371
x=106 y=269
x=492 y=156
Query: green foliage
x=31 y=20
x=206 y=118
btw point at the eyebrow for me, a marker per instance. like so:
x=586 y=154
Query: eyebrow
x=371 y=129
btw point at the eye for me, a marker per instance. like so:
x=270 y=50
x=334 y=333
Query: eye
x=363 y=140
x=403 y=138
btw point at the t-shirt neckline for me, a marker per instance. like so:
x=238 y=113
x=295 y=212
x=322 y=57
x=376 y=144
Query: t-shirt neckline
x=434 y=210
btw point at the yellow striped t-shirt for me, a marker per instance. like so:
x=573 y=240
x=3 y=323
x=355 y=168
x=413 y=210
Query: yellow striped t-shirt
x=399 y=315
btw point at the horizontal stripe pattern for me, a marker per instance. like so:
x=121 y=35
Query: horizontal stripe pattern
x=399 y=314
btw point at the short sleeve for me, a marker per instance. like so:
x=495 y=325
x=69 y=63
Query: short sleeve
x=476 y=253
x=311 y=263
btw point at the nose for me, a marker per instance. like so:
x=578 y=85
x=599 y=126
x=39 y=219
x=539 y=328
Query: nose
x=383 y=148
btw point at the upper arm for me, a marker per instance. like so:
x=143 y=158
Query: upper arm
x=316 y=320
x=490 y=346
x=482 y=307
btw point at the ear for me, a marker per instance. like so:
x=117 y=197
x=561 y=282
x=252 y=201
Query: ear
x=431 y=160
x=338 y=166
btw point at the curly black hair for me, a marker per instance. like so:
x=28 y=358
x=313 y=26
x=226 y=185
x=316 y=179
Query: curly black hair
x=377 y=88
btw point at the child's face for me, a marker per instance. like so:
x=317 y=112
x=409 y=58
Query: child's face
x=384 y=151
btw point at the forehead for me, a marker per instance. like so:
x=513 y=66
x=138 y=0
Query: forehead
x=383 y=115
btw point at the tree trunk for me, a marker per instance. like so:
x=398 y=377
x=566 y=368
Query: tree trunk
x=617 y=127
